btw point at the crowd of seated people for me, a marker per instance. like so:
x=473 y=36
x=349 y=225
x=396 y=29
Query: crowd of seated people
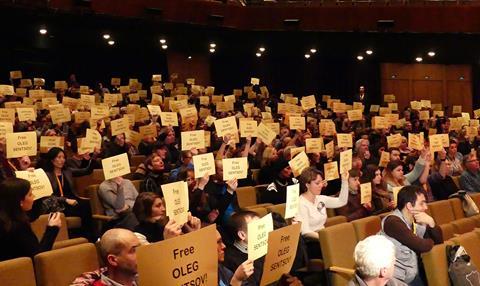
x=211 y=198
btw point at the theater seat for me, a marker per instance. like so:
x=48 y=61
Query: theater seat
x=366 y=226
x=280 y=209
x=98 y=212
x=463 y=225
x=448 y=231
x=246 y=196
x=136 y=184
x=69 y=242
x=457 y=208
x=17 y=272
x=261 y=211
x=470 y=241
x=39 y=225
x=441 y=212
x=62 y=266
x=136 y=160
x=338 y=244
x=456 y=180
x=255 y=173
x=436 y=265
x=335 y=220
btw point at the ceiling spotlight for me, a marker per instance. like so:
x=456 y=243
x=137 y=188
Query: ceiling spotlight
x=307 y=56
x=369 y=52
x=261 y=49
x=43 y=31
x=163 y=41
x=360 y=58
x=189 y=57
x=164 y=47
x=313 y=51
x=106 y=36
x=111 y=42
x=213 y=45
x=431 y=54
x=258 y=55
x=419 y=59
x=212 y=51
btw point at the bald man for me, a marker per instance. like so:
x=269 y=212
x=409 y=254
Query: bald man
x=118 y=247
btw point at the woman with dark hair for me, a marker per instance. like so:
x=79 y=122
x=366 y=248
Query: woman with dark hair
x=16 y=236
x=312 y=210
x=394 y=176
x=64 y=196
x=381 y=199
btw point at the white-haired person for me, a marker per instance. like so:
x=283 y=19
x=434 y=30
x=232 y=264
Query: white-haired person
x=375 y=263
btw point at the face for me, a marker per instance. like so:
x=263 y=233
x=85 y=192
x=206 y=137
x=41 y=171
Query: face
x=378 y=177
x=354 y=183
x=472 y=164
x=187 y=158
x=362 y=89
x=191 y=179
x=243 y=234
x=316 y=186
x=120 y=140
x=126 y=260
x=162 y=152
x=59 y=161
x=27 y=202
x=397 y=173
x=420 y=204
x=445 y=167
x=452 y=149
x=220 y=248
x=157 y=164
x=219 y=170
x=158 y=209
x=286 y=172
x=395 y=155
x=24 y=162
x=364 y=146
x=170 y=137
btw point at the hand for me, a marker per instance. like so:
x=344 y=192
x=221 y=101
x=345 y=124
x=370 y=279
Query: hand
x=193 y=223
x=243 y=272
x=72 y=202
x=291 y=280
x=391 y=205
x=424 y=153
x=31 y=169
x=345 y=176
x=226 y=139
x=368 y=206
x=367 y=155
x=212 y=216
x=172 y=229
x=54 y=220
x=232 y=184
x=423 y=218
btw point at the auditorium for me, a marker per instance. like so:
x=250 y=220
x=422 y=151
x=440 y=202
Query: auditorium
x=240 y=142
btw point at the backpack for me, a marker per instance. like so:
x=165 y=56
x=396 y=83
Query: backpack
x=468 y=204
x=461 y=271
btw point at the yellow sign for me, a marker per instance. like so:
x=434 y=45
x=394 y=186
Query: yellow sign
x=365 y=193
x=292 y=202
x=299 y=163
x=331 y=171
x=344 y=140
x=116 y=166
x=169 y=118
x=345 y=161
x=203 y=164
x=193 y=140
x=39 y=182
x=235 y=168
x=119 y=126
x=226 y=126
x=248 y=128
x=265 y=133
x=257 y=232
x=26 y=114
x=297 y=123
x=176 y=201
x=21 y=144
x=186 y=260
x=314 y=145
x=48 y=142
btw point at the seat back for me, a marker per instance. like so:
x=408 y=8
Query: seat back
x=280 y=209
x=136 y=184
x=457 y=208
x=81 y=183
x=338 y=244
x=334 y=220
x=463 y=225
x=441 y=211
x=261 y=211
x=436 y=265
x=95 y=202
x=255 y=173
x=40 y=224
x=470 y=242
x=246 y=196
x=367 y=226
x=476 y=199
x=456 y=180
x=18 y=271
x=448 y=230
x=137 y=160
x=62 y=266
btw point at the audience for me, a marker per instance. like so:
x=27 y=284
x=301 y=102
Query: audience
x=470 y=178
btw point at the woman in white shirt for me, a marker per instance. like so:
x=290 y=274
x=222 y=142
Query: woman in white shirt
x=313 y=206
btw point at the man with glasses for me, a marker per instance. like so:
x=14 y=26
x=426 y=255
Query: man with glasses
x=470 y=178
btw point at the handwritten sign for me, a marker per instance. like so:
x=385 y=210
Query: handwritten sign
x=344 y=140
x=354 y=115
x=297 y=123
x=21 y=144
x=308 y=102
x=39 y=182
x=331 y=171
x=186 y=260
x=415 y=141
x=235 y=168
x=292 y=202
x=5 y=127
x=116 y=166
x=384 y=159
x=203 y=164
x=248 y=128
x=119 y=126
x=176 y=201
x=394 y=141
x=257 y=232
x=365 y=193
x=169 y=118
x=226 y=126
x=48 y=142
x=26 y=114
x=314 y=145
x=345 y=161
x=265 y=134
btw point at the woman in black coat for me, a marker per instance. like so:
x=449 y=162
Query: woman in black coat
x=16 y=236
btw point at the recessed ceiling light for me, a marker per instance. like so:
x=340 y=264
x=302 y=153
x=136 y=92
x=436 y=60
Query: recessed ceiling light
x=258 y=55
x=164 y=47
x=43 y=31
x=261 y=49
x=106 y=36
x=111 y=42
x=419 y=59
x=369 y=52
x=307 y=56
x=212 y=50
x=313 y=51
x=431 y=53
x=189 y=57
x=360 y=58
x=213 y=45
x=163 y=41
